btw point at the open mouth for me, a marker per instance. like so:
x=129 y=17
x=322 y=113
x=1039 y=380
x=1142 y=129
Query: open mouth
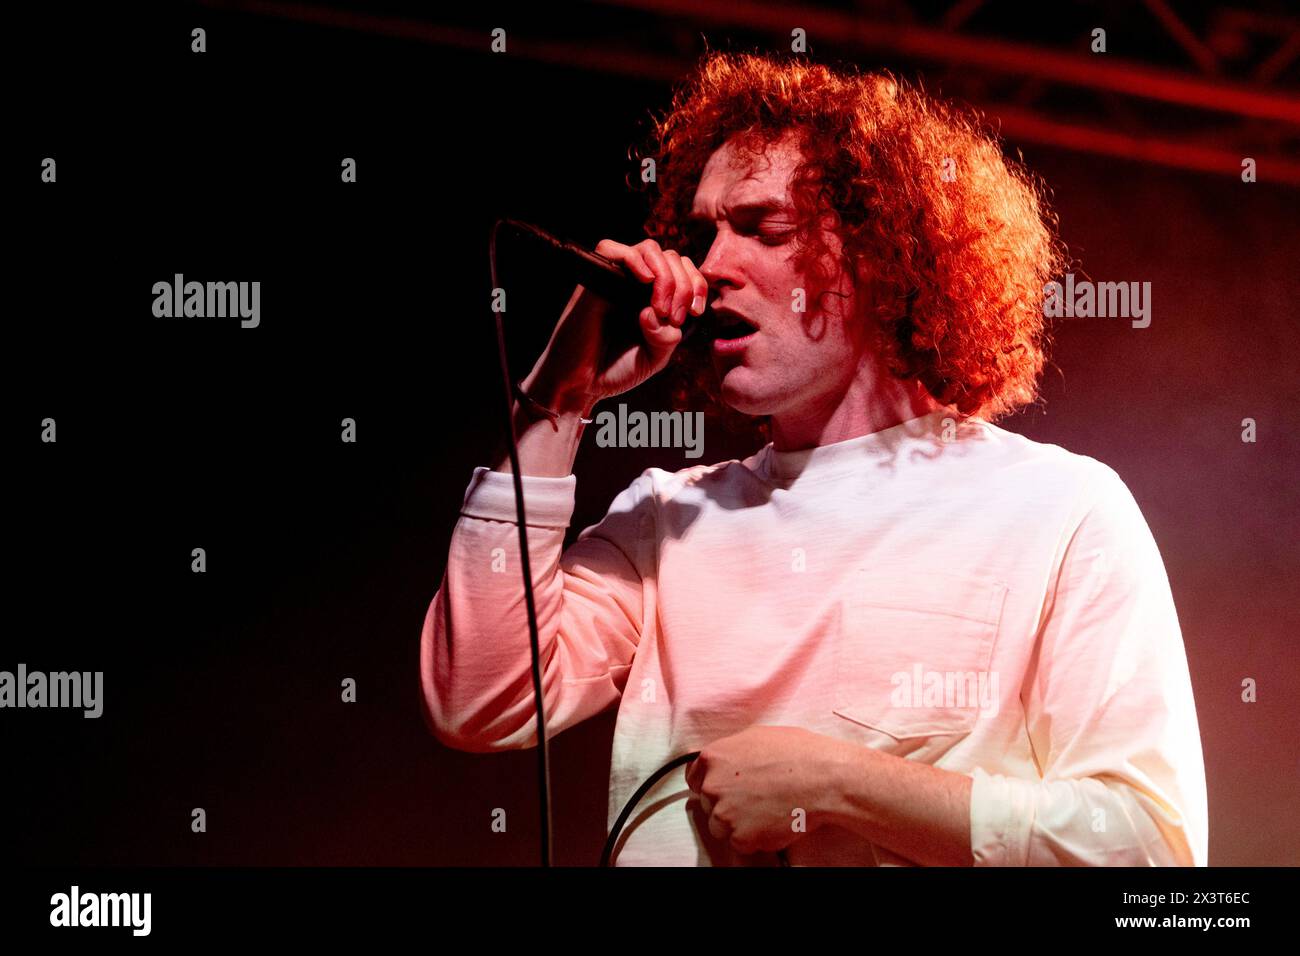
x=733 y=336
x=735 y=329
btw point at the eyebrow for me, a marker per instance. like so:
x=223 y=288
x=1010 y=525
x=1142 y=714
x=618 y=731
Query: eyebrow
x=744 y=210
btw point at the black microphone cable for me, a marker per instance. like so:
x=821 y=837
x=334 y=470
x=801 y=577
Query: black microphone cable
x=543 y=746
x=602 y=274
x=607 y=856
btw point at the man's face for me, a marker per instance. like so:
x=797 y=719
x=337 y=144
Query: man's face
x=798 y=362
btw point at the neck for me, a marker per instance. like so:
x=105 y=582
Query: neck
x=871 y=403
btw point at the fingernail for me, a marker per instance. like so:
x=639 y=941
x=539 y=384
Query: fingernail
x=697 y=304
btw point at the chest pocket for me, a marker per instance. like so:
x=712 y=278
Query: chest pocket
x=912 y=656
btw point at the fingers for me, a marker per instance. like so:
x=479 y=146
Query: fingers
x=719 y=829
x=666 y=277
x=679 y=288
x=628 y=255
x=683 y=288
x=691 y=292
x=695 y=774
x=699 y=285
x=661 y=337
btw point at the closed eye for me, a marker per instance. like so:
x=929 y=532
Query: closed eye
x=700 y=236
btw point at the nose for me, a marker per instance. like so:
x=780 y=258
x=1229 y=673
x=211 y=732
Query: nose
x=720 y=264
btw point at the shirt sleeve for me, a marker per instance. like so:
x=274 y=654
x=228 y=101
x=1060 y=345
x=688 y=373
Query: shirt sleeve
x=475 y=656
x=1109 y=713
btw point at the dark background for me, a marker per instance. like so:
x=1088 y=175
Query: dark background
x=222 y=690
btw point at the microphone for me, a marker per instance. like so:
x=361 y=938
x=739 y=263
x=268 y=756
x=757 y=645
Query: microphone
x=609 y=279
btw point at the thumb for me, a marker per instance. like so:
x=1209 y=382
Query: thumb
x=660 y=339
x=695 y=773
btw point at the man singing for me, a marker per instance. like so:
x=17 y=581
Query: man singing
x=898 y=633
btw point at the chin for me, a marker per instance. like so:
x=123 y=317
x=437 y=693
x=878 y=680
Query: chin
x=736 y=395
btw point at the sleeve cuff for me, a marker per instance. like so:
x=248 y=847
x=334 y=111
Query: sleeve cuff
x=1001 y=818
x=548 y=502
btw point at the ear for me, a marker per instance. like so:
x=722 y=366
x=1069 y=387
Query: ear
x=865 y=283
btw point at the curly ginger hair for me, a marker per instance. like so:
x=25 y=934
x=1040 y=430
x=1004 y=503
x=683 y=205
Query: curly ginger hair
x=958 y=240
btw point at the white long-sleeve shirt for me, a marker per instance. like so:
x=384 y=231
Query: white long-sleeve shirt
x=957 y=595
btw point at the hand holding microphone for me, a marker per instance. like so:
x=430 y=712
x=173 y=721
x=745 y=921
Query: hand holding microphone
x=589 y=357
